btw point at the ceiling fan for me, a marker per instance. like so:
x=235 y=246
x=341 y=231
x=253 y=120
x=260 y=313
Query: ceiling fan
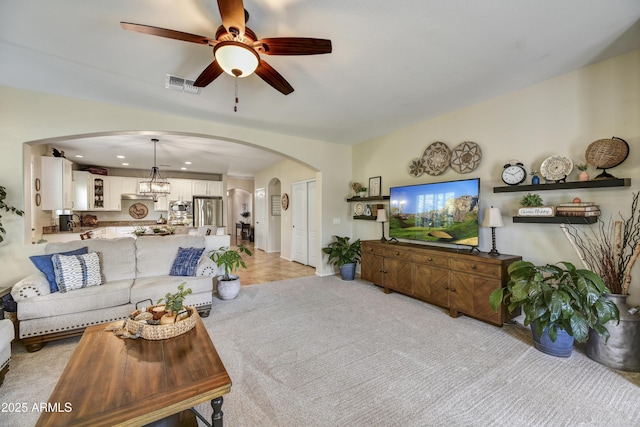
x=237 y=49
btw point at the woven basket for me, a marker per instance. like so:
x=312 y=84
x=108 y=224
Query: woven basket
x=160 y=332
x=607 y=153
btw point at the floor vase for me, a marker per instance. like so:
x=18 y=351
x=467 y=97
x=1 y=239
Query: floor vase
x=622 y=349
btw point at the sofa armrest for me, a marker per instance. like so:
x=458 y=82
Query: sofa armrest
x=206 y=267
x=31 y=286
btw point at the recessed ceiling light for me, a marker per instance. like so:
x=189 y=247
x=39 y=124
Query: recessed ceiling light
x=187 y=163
x=125 y=164
x=120 y=156
x=183 y=168
x=79 y=156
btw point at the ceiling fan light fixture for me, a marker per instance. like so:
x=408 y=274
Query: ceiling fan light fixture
x=236 y=59
x=155 y=185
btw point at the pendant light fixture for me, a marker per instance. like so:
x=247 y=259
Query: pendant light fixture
x=156 y=185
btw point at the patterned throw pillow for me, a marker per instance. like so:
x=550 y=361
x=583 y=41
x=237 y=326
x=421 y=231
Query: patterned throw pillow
x=45 y=265
x=186 y=263
x=77 y=271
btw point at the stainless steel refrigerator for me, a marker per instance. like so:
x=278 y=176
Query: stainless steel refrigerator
x=207 y=211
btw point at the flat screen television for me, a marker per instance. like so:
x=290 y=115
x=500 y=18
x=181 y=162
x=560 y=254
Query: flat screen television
x=442 y=212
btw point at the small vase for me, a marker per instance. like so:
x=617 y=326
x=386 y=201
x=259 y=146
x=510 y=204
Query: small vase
x=584 y=176
x=535 y=180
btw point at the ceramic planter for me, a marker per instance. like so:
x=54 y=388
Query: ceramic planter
x=561 y=347
x=228 y=289
x=348 y=271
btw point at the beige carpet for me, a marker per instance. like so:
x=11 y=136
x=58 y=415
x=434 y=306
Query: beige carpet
x=324 y=352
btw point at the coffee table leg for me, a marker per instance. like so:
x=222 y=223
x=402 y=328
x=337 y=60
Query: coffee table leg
x=216 y=417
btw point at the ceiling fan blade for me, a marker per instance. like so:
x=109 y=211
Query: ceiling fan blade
x=293 y=46
x=271 y=76
x=232 y=13
x=170 y=34
x=208 y=75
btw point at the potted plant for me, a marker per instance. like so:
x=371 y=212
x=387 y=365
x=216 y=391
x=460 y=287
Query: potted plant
x=584 y=175
x=560 y=303
x=173 y=304
x=345 y=255
x=531 y=201
x=7 y=208
x=228 y=285
x=611 y=250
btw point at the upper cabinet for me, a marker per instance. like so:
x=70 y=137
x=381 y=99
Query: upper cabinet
x=81 y=194
x=57 y=183
x=180 y=189
x=207 y=188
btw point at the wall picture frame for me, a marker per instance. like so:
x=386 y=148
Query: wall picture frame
x=375 y=185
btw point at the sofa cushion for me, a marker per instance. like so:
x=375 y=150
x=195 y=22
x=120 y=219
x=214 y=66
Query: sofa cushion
x=77 y=271
x=110 y=294
x=117 y=256
x=157 y=287
x=186 y=262
x=155 y=254
x=45 y=265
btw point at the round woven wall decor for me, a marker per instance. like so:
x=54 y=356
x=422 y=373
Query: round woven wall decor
x=607 y=153
x=436 y=158
x=466 y=157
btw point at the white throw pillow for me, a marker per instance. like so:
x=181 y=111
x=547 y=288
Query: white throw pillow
x=77 y=271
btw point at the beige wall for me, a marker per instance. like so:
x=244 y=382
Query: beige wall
x=27 y=116
x=561 y=116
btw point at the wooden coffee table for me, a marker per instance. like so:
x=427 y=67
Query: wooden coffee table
x=114 y=381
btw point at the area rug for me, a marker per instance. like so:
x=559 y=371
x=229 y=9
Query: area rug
x=326 y=352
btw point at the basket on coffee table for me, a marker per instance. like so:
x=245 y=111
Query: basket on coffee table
x=141 y=329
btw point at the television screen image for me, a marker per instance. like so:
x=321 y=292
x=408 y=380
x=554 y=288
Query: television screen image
x=443 y=212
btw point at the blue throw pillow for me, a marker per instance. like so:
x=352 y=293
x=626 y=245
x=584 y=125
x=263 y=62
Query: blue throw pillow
x=186 y=263
x=45 y=265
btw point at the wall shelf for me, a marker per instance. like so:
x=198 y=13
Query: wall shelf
x=556 y=219
x=365 y=217
x=368 y=199
x=598 y=183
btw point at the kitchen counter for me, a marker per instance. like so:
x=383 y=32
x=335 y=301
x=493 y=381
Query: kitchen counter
x=103 y=224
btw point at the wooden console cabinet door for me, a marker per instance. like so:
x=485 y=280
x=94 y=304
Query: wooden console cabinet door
x=397 y=270
x=371 y=267
x=471 y=284
x=431 y=284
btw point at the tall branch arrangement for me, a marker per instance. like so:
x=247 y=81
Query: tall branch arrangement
x=610 y=249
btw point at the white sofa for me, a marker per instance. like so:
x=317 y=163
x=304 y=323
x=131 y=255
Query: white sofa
x=135 y=271
x=7 y=334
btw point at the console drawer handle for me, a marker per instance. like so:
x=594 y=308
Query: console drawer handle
x=429 y=259
x=473 y=267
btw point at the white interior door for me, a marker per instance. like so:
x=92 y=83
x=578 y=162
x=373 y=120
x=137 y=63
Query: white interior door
x=312 y=232
x=300 y=242
x=260 y=222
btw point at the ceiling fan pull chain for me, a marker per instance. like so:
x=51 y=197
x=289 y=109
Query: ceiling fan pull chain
x=235 y=107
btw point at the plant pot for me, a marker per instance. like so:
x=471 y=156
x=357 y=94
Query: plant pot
x=348 y=271
x=622 y=350
x=584 y=176
x=228 y=289
x=562 y=347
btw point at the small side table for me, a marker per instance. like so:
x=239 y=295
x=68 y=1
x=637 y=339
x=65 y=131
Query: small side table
x=243 y=228
x=4 y=291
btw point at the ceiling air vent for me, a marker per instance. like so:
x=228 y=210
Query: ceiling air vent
x=181 y=84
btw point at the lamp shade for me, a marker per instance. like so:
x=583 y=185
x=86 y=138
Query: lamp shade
x=236 y=59
x=492 y=217
x=382 y=215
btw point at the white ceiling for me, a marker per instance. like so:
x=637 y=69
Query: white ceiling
x=393 y=63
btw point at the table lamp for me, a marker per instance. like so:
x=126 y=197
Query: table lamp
x=382 y=218
x=493 y=219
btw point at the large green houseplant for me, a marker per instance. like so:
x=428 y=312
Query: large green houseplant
x=231 y=259
x=557 y=297
x=7 y=208
x=344 y=254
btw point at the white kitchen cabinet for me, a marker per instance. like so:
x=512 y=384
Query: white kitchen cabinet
x=162 y=205
x=181 y=189
x=207 y=188
x=81 y=194
x=113 y=200
x=129 y=185
x=56 y=183
x=99 y=190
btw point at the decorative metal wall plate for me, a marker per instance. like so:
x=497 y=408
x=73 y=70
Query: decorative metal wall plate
x=556 y=168
x=138 y=211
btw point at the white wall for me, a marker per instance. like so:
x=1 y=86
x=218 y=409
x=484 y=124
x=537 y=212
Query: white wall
x=561 y=116
x=27 y=116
